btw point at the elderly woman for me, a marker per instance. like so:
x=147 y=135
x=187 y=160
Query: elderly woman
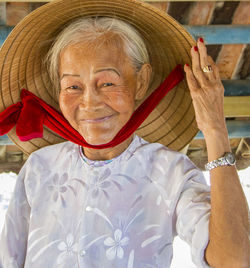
x=121 y=206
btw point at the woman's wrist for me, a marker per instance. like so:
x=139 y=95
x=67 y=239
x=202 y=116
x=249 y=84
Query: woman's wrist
x=217 y=143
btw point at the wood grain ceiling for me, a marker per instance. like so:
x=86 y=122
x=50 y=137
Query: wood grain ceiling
x=233 y=59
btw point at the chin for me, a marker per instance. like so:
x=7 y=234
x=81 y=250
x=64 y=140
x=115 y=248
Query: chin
x=95 y=140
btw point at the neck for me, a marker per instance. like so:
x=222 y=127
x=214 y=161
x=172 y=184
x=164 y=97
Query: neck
x=109 y=153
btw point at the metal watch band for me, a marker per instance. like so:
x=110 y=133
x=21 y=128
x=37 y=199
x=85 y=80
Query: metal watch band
x=227 y=160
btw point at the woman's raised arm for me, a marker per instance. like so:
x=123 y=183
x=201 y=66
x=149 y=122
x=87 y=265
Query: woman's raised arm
x=228 y=228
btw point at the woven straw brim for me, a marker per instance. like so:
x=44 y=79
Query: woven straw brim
x=172 y=123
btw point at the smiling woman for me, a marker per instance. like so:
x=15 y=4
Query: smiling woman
x=103 y=70
x=99 y=97
x=99 y=204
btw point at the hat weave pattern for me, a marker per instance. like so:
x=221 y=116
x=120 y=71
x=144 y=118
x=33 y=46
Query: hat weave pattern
x=172 y=122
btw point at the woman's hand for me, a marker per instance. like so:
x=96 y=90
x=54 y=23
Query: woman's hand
x=206 y=90
x=228 y=229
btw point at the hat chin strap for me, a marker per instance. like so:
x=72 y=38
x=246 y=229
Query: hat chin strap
x=31 y=113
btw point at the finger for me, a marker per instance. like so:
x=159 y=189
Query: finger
x=191 y=80
x=217 y=81
x=204 y=61
x=215 y=68
x=196 y=67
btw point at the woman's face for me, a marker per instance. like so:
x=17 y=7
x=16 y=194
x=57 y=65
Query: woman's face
x=98 y=90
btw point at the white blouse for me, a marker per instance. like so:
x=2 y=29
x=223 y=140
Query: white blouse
x=68 y=211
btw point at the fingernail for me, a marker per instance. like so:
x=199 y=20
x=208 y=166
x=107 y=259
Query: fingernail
x=201 y=40
x=187 y=64
x=195 y=48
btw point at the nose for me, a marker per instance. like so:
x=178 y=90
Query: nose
x=90 y=99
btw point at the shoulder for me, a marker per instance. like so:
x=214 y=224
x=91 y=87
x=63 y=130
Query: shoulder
x=52 y=153
x=169 y=165
x=171 y=168
x=163 y=155
x=62 y=147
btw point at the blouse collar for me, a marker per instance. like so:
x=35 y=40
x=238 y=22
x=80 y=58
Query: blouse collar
x=99 y=163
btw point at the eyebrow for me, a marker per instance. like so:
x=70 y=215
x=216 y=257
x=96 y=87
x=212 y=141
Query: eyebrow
x=97 y=71
x=107 y=69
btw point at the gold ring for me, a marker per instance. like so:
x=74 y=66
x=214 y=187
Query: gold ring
x=207 y=69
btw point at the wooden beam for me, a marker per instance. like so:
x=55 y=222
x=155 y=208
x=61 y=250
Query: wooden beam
x=10 y=167
x=2 y=13
x=229 y=71
x=213 y=34
x=237 y=87
x=221 y=34
x=237 y=106
x=201 y=13
x=244 y=70
x=15 y=12
x=160 y=4
x=180 y=11
x=236 y=129
x=228 y=61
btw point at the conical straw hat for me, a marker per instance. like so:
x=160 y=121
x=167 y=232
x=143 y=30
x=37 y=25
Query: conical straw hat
x=172 y=123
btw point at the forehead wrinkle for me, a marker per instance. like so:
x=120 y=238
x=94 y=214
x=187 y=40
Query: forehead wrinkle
x=64 y=75
x=111 y=44
x=109 y=69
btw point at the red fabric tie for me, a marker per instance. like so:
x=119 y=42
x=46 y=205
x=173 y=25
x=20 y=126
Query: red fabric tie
x=31 y=113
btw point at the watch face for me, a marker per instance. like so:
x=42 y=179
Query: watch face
x=230 y=158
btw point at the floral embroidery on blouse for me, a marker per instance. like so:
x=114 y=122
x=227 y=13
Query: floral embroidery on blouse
x=116 y=245
x=124 y=213
x=68 y=248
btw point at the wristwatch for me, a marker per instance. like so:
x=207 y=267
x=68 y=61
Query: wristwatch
x=227 y=160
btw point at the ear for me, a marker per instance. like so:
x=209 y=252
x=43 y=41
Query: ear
x=143 y=80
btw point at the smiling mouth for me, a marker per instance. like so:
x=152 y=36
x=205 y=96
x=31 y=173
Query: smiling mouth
x=97 y=120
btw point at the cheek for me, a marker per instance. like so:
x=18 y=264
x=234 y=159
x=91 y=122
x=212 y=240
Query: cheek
x=66 y=105
x=122 y=102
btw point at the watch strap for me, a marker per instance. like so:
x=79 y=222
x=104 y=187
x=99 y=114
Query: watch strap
x=222 y=161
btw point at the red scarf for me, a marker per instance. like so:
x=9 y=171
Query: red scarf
x=31 y=113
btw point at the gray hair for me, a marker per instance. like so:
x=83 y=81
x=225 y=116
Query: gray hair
x=89 y=30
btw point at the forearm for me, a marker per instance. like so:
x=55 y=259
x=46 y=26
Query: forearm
x=228 y=226
x=229 y=242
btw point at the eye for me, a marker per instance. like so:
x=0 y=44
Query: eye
x=73 y=87
x=108 y=84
